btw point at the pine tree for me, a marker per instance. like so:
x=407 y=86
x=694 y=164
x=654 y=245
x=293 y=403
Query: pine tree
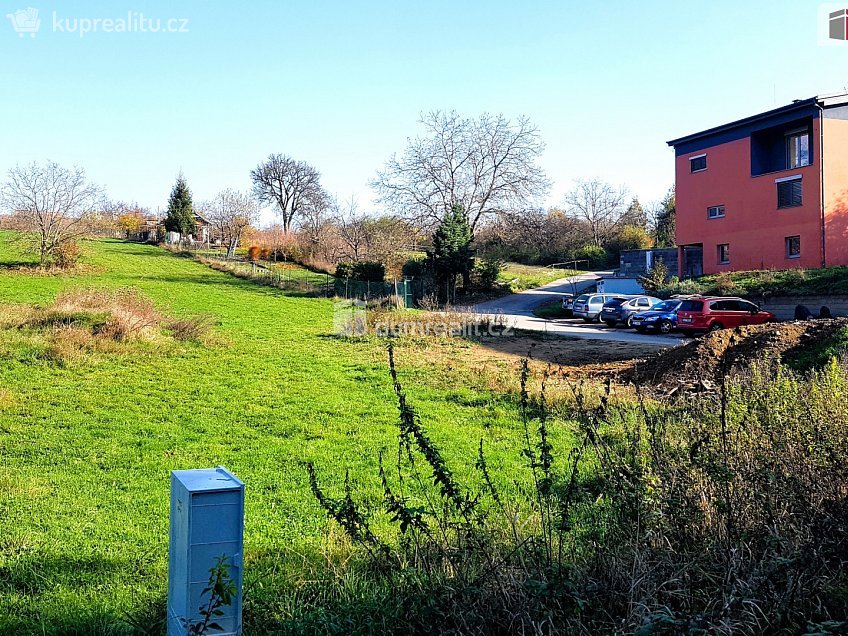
x=665 y=221
x=180 y=216
x=452 y=254
x=635 y=216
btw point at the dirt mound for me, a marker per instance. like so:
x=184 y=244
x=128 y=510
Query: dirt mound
x=705 y=359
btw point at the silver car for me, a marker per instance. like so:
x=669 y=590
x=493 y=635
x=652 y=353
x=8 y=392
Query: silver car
x=588 y=306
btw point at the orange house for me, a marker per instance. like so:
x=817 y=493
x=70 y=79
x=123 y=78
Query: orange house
x=765 y=192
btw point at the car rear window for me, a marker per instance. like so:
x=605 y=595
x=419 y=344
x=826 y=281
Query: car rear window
x=615 y=302
x=582 y=299
x=691 y=305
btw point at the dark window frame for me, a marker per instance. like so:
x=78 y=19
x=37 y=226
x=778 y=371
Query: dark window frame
x=790 y=193
x=698 y=163
x=788 y=139
x=723 y=253
x=789 y=241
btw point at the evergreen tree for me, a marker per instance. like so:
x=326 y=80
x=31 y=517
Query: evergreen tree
x=180 y=216
x=664 y=221
x=452 y=254
x=635 y=216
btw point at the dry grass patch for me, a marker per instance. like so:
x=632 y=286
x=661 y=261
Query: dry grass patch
x=126 y=314
x=83 y=321
x=192 y=328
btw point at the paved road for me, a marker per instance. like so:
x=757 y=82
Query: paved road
x=518 y=308
x=523 y=303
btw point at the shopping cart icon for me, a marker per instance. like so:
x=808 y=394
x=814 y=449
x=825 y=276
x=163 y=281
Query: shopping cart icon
x=25 y=21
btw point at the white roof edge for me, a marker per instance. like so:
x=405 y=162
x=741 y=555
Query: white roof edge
x=833 y=99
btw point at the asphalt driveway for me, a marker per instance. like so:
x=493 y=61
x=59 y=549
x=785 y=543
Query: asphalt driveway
x=517 y=310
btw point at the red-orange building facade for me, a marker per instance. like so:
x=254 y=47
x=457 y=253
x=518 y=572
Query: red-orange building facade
x=765 y=192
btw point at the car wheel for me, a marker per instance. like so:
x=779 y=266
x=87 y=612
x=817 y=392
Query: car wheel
x=665 y=326
x=716 y=326
x=610 y=323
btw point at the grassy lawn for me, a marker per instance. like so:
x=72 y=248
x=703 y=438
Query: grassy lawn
x=296 y=271
x=520 y=277
x=802 y=282
x=550 y=310
x=86 y=446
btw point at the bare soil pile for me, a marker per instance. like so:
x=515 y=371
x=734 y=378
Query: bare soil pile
x=706 y=359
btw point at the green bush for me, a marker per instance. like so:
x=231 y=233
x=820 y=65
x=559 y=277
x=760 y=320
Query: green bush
x=656 y=278
x=362 y=270
x=415 y=267
x=629 y=238
x=485 y=274
x=736 y=493
x=597 y=256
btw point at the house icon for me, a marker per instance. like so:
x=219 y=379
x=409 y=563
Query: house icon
x=25 y=21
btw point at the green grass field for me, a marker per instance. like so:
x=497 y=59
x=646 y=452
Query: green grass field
x=519 y=277
x=86 y=447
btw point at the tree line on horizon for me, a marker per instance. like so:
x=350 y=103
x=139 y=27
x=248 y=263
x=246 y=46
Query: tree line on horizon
x=471 y=183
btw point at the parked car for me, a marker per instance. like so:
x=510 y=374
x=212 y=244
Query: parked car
x=568 y=305
x=662 y=317
x=623 y=308
x=588 y=306
x=711 y=313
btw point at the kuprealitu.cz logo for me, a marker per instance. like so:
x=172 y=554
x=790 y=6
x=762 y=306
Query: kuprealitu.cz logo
x=27 y=22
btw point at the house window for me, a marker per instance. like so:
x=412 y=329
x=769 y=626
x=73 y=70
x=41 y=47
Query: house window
x=723 y=253
x=715 y=212
x=797 y=149
x=696 y=164
x=789 y=192
x=793 y=247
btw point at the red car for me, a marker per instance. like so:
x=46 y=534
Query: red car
x=711 y=313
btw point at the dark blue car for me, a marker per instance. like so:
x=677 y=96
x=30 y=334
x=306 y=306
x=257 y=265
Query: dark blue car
x=661 y=318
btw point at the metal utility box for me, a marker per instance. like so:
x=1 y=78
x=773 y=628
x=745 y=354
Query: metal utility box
x=207 y=521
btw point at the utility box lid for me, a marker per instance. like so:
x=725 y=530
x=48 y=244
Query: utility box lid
x=208 y=479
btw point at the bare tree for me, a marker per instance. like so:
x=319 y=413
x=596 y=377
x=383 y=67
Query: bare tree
x=231 y=213
x=534 y=235
x=600 y=205
x=315 y=222
x=53 y=203
x=487 y=165
x=292 y=186
x=352 y=229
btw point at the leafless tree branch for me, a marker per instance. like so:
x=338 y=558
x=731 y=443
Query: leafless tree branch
x=488 y=165
x=56 y=204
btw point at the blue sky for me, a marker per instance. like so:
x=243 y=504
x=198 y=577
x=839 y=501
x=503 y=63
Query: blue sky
x=341 y=84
